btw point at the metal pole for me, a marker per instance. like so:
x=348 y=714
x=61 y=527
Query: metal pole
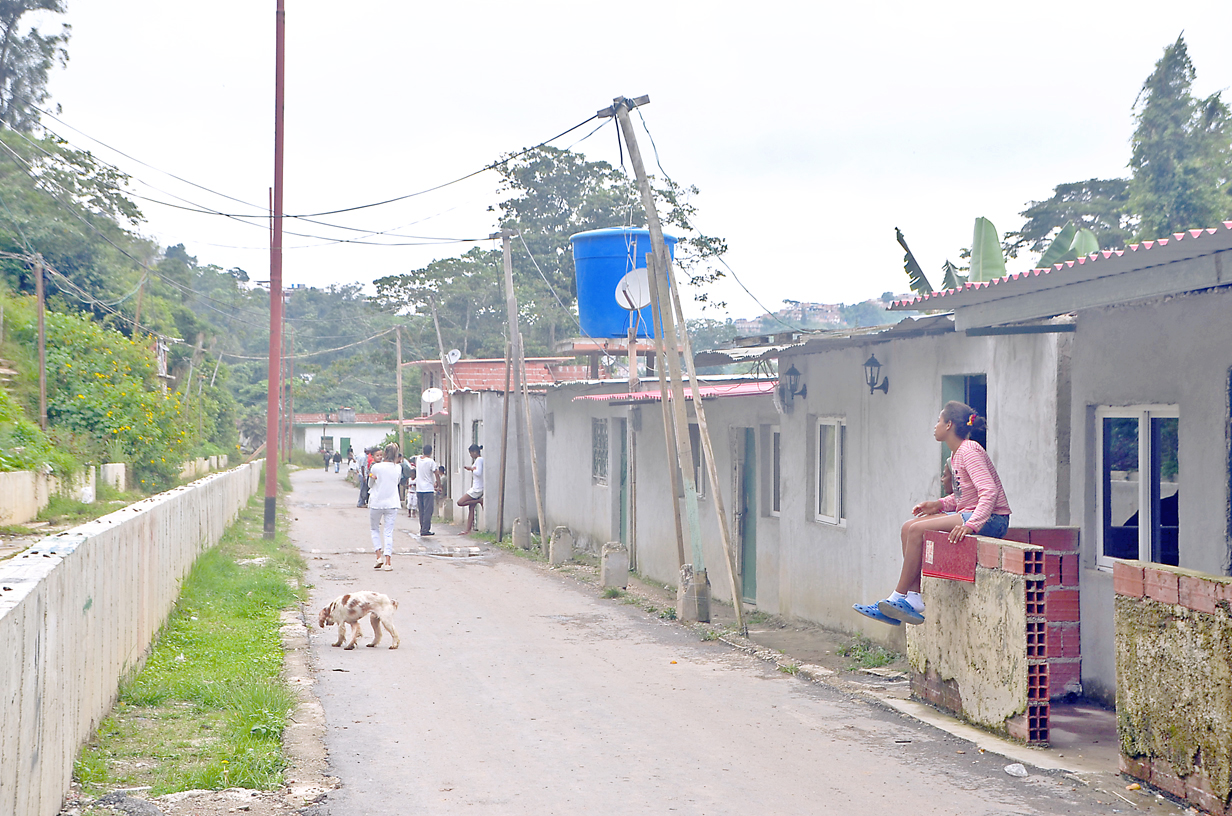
x=41 y=296
x=398 y=341
x=275 y=286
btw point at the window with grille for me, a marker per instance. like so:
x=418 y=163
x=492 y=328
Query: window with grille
x=598 y=450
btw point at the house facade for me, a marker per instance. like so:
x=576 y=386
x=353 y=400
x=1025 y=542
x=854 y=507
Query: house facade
x=341 y=431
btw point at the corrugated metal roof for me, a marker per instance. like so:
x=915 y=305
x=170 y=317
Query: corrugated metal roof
x=1180 y=246
x=736 y=389
x=907 y=327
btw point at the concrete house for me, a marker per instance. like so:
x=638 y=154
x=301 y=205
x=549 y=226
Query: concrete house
x=341 y=431
x=1149 y=456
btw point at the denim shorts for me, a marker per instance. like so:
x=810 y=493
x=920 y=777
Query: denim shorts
x=995 y=527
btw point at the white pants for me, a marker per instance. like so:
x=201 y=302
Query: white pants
x=382 y=520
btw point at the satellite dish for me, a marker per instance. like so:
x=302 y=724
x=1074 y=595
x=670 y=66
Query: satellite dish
x=453 y=356
x=431 y=395
x=633 y=291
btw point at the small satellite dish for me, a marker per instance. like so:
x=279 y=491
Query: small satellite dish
x=431 y=395
x=453 y=356
x=633 y=291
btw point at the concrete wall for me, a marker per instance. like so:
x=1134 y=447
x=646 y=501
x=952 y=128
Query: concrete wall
x=487 y=407
x=1174 y=351
x=1174 y=681
x=193 y=468
x=24 y=493
x=78 y=611
x=114 y=474
x=807 y=568
x=308 y=437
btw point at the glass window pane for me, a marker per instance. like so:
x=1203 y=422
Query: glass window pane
x=1165 y=490
x=826 y=473
x=1120 y=487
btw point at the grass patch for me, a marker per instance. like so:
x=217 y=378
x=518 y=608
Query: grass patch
x=789 y=668
x=14 y=531
x=864 y=654
x=611 y=592
x=535 y=553
x=709 y=635
x=208 y=708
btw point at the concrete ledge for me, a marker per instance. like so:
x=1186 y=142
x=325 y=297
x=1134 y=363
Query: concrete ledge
x=78 y=610
x=1174 y=681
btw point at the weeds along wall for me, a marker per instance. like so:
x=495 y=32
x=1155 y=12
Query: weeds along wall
x=78 y=611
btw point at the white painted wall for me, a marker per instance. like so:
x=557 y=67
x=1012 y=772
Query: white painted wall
x=1173 y=351
x=78 y=611
x=362 y=435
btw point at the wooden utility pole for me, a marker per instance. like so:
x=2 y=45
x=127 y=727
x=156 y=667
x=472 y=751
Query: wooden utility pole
x=515 y=337
x=275 y=285
x=534 y=455
x=288 y=426
x=660 y=272
x=398 y=342
x=41 y=297
x=500 y=499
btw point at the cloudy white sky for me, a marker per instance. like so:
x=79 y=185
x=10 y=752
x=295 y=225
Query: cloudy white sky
x=811 y=129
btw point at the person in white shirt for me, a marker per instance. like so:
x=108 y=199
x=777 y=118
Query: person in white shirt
x=383 y=504
x=426 y=483
x=473 y=496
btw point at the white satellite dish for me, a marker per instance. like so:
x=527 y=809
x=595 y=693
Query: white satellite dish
x=453 y=356
x=431 y=395
x=633 y=291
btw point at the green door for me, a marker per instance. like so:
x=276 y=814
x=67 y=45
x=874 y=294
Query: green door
x=748 y=517
x=344 y=445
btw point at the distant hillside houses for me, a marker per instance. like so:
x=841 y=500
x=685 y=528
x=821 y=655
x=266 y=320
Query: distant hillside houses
x=804 y=314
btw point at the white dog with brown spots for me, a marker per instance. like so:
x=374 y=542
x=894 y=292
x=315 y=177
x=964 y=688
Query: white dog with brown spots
x=353 y=608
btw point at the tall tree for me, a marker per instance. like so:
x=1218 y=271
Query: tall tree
x=1182 y=151
x=1098 y=205
x=26 y=57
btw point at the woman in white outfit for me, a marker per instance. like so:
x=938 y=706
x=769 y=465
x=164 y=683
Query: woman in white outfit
x=473 y=496
x=383 y=505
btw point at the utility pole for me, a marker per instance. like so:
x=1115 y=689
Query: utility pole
x=398 y=342
x=534 y=455
x=500 y=498
x=515 y=338
x=669 y=312
x=275 y=286
x=41 y=296
x=288 y=426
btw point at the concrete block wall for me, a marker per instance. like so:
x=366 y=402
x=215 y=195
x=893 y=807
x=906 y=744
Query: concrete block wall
x=1174 y=681
x=78 y=611
x=982 y=651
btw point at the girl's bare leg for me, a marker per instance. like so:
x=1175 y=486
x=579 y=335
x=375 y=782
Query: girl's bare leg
x=913 y=546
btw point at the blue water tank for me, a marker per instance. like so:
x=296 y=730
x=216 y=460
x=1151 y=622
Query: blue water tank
x=610 y=292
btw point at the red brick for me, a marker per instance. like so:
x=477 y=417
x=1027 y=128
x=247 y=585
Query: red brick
x=1164 y=778
x=1161 y=585
x=1198 y=792
x=1018 y=727
x=1062 y=605
x=1127 y=578
x=1137 y=767
x=1197 y=593
x=1056 y=539
x=1020 y=534
x=989 y=553
x=1052 y=569
x=1069 y=570
x=1064 y=640
x=1065 y=677
x=1011 y=560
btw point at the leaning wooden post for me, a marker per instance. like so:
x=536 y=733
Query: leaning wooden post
x=534 y=455
x=500 y=499
x=42 y=339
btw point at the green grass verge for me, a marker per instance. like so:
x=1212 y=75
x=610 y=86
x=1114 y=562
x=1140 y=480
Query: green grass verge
x=864 y=654
x=208 y=708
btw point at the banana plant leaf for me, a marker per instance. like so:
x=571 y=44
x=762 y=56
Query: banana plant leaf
x=1060 y=248
x=950 y=277
x=987 y=262
x=919 y=281
x=1085 y=243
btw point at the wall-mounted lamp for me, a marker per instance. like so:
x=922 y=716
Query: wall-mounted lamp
x=872 y=373
x=790 y=388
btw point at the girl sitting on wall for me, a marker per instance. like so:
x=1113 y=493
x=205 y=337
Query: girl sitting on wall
x=977 y=505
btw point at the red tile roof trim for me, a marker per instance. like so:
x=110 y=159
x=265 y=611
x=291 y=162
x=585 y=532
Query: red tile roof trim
x=1094 y=257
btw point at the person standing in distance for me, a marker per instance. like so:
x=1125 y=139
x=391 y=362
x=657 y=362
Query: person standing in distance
x=383 y=505
x=426 y=483
x=473 y=496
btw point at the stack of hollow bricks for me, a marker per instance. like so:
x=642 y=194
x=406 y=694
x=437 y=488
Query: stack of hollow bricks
x=1054 y=661
x=1200 y=593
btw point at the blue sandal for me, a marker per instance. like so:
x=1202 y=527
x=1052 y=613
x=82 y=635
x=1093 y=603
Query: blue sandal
x=871 y=611
x=900 y=610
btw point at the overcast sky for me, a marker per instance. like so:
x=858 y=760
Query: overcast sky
x=811 y=129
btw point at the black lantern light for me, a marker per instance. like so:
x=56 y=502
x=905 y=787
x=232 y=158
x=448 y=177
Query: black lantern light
x=872 y=375
x=790 y=388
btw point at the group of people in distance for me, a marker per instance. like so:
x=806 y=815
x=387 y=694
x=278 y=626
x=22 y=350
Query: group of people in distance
x=385 y=481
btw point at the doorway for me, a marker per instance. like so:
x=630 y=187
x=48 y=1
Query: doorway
x=746 y=516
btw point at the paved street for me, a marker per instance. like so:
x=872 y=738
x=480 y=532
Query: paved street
x=519 y=691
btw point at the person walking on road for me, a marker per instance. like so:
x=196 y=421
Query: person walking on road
x=473 y=496
x=383 y=505
x=337 y=462
x=426 y=483
x=365 y=466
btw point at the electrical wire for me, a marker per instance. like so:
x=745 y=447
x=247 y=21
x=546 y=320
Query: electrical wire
x=310 y=353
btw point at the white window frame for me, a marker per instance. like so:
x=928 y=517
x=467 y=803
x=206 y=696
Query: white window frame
x=839 y=425
x=776 y=484
x=1144 y=414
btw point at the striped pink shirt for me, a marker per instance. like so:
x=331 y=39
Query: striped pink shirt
x=976 y=486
